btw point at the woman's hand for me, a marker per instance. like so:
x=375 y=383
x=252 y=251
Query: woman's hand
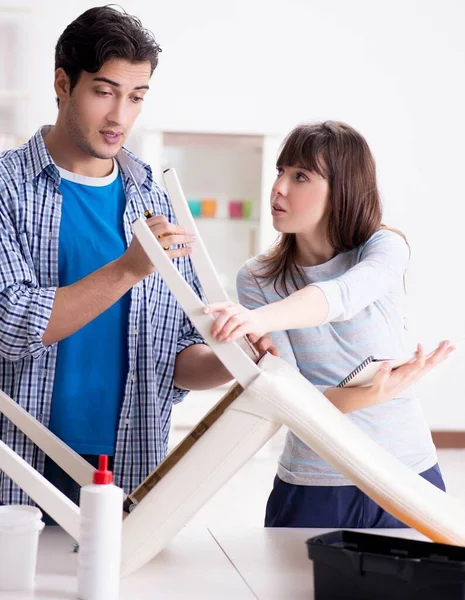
x=234 y=321
x=389 y=383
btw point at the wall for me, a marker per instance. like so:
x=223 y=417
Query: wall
x=392 y=69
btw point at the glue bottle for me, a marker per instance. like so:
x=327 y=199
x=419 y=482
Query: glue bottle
x=100 y=537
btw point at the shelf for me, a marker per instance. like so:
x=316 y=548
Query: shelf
x=225 y=220
x=213 y=140
x=187 y=129
x=225 y=166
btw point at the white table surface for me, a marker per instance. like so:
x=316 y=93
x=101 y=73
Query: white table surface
x=231 y=564
x=274 y=562
x=192 y=566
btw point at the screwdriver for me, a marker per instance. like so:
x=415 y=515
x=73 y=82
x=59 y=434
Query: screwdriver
x=148 y=212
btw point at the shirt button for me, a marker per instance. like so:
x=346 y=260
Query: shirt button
x=126 y=422
x=133 y=377
x=135 y=332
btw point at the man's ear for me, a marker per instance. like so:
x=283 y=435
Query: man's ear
x=62 y=85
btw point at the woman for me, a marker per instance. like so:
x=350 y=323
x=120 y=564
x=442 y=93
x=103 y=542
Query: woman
x=332 y=290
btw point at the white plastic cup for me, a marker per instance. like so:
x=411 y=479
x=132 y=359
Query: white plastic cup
x=20 y=527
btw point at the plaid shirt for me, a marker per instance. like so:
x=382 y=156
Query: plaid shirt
x=30 y=210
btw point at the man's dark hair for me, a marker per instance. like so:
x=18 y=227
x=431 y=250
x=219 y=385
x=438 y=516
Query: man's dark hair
x=100 y=34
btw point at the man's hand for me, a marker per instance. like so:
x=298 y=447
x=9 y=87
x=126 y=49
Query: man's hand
x=136 y=261
x=263 y=344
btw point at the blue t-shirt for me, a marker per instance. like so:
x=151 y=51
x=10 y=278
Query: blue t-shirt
x=92 y=363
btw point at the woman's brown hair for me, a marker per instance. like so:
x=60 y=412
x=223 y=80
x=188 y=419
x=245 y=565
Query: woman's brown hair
x=339 y=154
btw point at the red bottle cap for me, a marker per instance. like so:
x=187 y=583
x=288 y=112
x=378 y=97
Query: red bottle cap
x=102 y=476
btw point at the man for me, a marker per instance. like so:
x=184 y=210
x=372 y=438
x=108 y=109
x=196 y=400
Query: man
x=92 y=343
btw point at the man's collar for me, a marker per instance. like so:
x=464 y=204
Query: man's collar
x=38 y=159
x=142 y=171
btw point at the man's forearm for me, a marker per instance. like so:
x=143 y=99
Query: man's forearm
x=80 y=303
x=198 y=368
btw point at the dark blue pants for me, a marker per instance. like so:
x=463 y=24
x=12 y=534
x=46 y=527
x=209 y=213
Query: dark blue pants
x=337 y=507
x=62 y=481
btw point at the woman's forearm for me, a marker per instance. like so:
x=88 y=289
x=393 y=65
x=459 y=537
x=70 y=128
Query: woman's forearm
x=350 y=399
x=307 y=307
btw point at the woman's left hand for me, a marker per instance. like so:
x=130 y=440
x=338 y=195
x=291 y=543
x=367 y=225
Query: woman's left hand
x=388 y=383
x=234 y=321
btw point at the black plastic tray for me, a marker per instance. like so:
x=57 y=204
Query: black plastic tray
x=351 y=565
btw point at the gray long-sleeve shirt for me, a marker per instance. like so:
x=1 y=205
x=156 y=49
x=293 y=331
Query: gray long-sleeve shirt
x=364 y=289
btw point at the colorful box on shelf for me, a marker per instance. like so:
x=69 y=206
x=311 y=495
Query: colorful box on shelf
x=202 y=207
x=235 y=209
x=240 y=209
x=195 y=206
x=247 y=209
x=208 y=208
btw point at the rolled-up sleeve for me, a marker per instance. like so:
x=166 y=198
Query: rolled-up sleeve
x=24 y=317
x=25 y=308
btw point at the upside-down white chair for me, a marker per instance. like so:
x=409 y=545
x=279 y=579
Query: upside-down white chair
x=267 y=394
